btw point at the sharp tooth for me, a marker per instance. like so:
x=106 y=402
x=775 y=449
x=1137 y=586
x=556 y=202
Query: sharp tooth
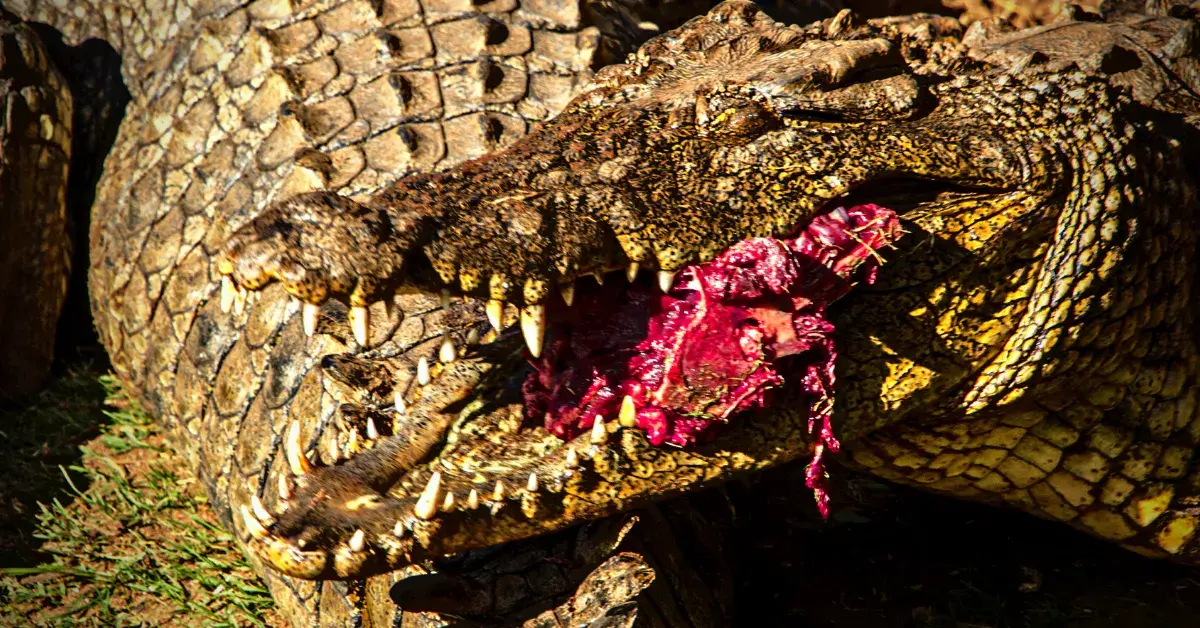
x=358 y=541
x=599 y=432
x=427 y=503
x=398 y=398
x=334 y=452
x=568 y=293
x=447 y=353
x=496 y=508
x=840 y=214
x=399 y=530
x=572 y=460
x=309 y=315
x=285 y=491
x=702 y=113
x=389 y=308
x=498 y=492
x=473 y=499
x=599 y=277
x=360 y=324
x=448 y=503
x=239 y=303
x=228 y=294
x=666 y=279
x=423 y=377
x=532 y=485
x=256 y=529
x=295 y=456
x=533 y=327
x=632 y=271
x=445 y=299
x=372 y=431
x=495 y=314
x=473 y=336
x=260 y=511
x=628 y=415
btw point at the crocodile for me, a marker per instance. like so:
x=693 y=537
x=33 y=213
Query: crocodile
x=1026 y=340
x=36 y=250
x=62 y=107
x=462 y=79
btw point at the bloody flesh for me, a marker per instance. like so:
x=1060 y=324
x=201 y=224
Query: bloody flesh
x=718 y=343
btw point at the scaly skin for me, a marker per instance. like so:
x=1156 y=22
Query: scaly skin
x=1030 y=343
x=35 y=250
x=945 y=369
x=235 y=104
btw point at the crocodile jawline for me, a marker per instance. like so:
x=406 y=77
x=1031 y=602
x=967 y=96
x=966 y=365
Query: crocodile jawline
x=680 y=360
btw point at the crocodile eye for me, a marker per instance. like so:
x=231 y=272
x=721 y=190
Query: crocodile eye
x=742 y=118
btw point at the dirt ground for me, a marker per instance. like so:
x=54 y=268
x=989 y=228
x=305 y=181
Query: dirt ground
x=100 y=527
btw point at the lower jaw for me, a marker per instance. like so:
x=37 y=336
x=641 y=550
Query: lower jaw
x=680 y=365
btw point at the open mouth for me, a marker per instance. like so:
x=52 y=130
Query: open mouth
x=683 y=363
x=643 y=392
x=680 y=364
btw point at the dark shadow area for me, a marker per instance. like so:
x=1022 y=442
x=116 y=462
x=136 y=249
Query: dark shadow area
x=896 y=557
x=41 y=434
x=98 y=93
x=40 y=439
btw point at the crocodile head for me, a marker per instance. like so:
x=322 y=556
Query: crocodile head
x=758 y=171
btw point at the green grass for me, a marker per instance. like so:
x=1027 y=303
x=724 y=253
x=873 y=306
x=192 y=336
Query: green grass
x=123 y=537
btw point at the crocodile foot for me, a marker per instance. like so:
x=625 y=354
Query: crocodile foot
x=606 y=597
x=483 y=584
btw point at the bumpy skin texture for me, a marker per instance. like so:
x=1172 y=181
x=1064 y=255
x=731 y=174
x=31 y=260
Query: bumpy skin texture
x=1055 y=250
x=1019 y=14
x=235 y=104
x=1030 y=343
x=35 y=250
